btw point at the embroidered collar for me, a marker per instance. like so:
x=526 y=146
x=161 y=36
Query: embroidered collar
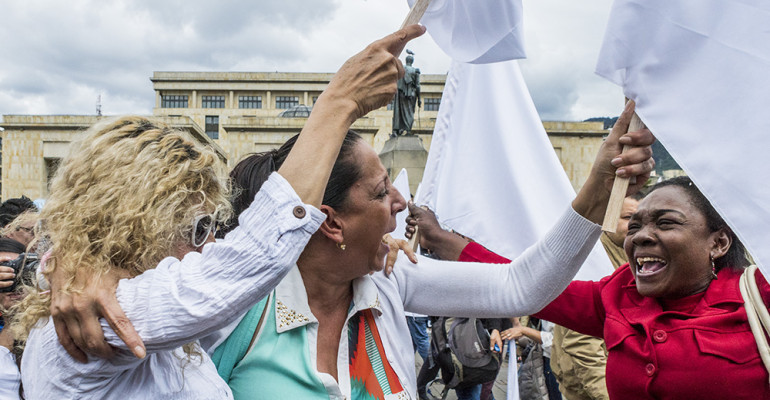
x=291 y=304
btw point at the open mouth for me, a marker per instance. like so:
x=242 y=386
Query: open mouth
x=646 y=266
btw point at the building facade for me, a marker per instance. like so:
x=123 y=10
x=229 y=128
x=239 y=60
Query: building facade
x=33 y=145
x=239 y=113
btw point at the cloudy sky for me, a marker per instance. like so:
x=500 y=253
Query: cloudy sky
x=59 y=56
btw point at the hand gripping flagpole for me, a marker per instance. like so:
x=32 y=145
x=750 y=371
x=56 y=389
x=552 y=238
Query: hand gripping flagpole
x=415 y=240
x=619 y=187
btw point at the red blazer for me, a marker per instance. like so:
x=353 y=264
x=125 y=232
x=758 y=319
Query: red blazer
x=699 y=347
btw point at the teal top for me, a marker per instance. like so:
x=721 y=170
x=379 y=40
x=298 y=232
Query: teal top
x=277 y=367
x=279 y=363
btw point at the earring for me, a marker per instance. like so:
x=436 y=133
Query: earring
x=341 y=246
x=713 y=268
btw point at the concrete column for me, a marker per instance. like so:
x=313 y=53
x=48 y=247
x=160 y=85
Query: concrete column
x=406 y=151
x=194 y=99
x=157 y=99
x=306 y=100
x=269 y=101
x=232 y=100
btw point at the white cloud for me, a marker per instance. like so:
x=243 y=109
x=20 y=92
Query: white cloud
x=563 y=41
x=62 y=55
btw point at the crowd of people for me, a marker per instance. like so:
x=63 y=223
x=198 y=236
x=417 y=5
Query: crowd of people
x=18 y=217
x=160 y=279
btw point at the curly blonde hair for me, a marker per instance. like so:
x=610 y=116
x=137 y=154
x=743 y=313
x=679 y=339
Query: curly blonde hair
x=125 y=197
x=23 y=219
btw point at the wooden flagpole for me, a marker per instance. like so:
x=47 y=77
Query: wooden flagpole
x=416 y=13
x=619 y=187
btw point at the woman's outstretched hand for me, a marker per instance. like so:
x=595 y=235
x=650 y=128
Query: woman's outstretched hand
x=365 y=82
x=636 y=163
x=368 y=79
x=444 y=244
x=394 y=246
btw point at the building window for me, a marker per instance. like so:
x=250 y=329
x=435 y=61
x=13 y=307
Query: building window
x=283 y=102
x=213 y=102
x=250 y=102
x=212 y=126
x=315 y=98
x=432 y=103
x=174 y=101
x=51 y=165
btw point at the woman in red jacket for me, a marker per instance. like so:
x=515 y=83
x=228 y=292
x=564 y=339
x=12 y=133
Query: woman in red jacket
x=673 y=320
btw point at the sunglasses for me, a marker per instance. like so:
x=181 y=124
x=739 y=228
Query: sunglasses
x=203 y=227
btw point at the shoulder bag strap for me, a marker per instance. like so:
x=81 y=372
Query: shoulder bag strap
x=759 y=318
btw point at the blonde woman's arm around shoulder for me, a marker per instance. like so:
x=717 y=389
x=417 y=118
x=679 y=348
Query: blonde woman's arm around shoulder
x=365 y=82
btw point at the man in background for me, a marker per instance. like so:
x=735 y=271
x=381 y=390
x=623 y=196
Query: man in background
x=17 y=220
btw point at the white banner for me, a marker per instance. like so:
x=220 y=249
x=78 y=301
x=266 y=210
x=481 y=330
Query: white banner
x=476 y=31
x=699 y=71
x=513 y=372
x=492 y=173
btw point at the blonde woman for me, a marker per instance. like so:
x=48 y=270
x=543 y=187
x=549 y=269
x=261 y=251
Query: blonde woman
x=133 y=195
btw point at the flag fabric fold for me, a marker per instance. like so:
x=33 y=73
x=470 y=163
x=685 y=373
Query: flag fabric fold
x=476 y=31
x=492 y=173
x=699 y=71
x=512 y=387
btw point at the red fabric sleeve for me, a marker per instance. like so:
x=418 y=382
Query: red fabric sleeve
x=579 y=308
x=475 y=252
x=570 y=309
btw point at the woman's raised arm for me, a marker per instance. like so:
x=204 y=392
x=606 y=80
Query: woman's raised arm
x=365 y=82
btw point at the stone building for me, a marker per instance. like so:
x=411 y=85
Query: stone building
x=244 y=112
x=33 y=145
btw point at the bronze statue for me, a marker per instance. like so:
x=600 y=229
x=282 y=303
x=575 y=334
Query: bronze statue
x=407 y=95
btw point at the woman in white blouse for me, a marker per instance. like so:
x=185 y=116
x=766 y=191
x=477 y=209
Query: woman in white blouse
x=133 y=195
x=335 y=328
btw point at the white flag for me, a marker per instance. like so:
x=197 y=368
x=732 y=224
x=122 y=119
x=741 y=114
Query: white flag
x=492 y=173
x=476 y=31
x=513 y=376
x=699 y=71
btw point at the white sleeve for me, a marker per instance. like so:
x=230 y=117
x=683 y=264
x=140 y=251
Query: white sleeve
x=183 y=300
x=523 y=287
x=10 y=378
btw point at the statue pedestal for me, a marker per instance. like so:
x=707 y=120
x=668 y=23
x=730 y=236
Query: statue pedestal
x=406 y=152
